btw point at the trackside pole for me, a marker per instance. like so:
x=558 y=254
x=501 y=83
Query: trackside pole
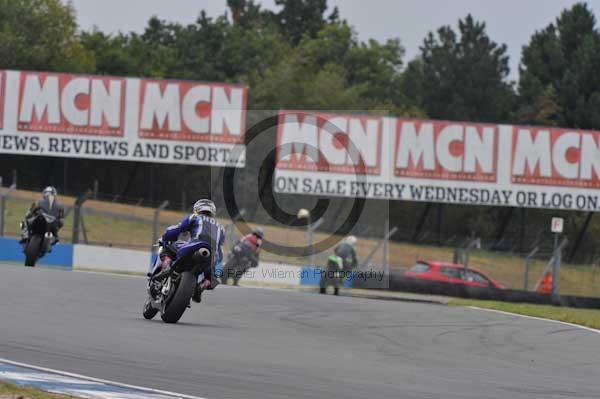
x=557 y=227
x=155 y=221
x=96 y=188
x=77 y=215
x=531 y=254
x=377 y=247
x=557 y=259
x=555 y=266
x=473 y=244
x=310 y=231
x=386 y=247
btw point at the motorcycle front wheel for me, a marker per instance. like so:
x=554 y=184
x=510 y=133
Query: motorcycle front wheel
x=32 y=250
x=149 y=311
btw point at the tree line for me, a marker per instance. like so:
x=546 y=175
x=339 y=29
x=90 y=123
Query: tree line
x=303 y=55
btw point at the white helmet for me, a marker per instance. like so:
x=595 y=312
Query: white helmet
x=49 y=191
x=351 y=240
x=205 y=206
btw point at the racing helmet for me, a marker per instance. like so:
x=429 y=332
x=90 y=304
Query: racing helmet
x=49 y=191
x=259 y=232
x=350 y=240
x=205 y=206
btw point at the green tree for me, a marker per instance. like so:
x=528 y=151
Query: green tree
x=334 y=71
x=560 y=72
x=237 y=7
x=464 y=74
x=294 y=85
x=41 y=35
x=247 y=13
x=211 y=49
x=299 y=18
x=111 y=53
x=411 y=84
x=376 y=68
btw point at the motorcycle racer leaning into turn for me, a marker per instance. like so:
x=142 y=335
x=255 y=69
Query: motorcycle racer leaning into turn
x=203 y=229
x=48 y=204
x=254 y=243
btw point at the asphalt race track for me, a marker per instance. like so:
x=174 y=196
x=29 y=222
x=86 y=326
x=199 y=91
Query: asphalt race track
x=257 y=343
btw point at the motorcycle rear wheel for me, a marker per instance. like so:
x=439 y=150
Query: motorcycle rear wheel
x=181 y=299
x=32 y=250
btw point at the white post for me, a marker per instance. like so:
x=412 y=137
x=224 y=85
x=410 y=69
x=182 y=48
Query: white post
x=557 y=228
x=305 y=214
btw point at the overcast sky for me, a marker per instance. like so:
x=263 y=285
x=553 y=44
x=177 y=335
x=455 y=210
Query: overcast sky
x=509 y=21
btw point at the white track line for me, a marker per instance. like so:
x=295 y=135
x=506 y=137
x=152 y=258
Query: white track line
x=564 y=323
x=108 y=382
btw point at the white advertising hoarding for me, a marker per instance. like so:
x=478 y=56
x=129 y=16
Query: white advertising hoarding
x=129 y=119
x=437 y=161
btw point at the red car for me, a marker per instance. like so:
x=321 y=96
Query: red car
x=451 y=273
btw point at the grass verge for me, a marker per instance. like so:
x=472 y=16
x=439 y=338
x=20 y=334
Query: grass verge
x=10 y=391
x=584 y=317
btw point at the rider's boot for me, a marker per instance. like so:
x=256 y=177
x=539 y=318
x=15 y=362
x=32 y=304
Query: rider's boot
x=197 y=297
x=201 y=286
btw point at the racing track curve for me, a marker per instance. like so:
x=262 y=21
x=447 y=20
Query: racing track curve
x=258 y=343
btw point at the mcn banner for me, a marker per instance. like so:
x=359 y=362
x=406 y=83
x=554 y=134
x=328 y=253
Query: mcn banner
x=437 y=161
x=81 y=116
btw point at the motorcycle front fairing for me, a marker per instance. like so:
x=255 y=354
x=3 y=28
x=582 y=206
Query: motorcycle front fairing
x=40 y=223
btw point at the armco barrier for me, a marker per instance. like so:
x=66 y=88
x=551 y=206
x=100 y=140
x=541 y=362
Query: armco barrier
x=126 y=260
x=61 y=255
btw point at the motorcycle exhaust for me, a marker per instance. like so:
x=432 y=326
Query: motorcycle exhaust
x=204 y=252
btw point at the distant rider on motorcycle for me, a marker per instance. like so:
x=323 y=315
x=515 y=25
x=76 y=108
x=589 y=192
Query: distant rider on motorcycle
x=243 y=256
x=203 y=229
x=48 y=204
x=254 y=242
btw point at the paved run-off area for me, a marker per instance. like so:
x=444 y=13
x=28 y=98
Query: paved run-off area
x=260 y=343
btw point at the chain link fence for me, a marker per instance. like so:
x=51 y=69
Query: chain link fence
x=106 y=223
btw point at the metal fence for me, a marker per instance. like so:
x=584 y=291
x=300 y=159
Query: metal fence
x=103 y=223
